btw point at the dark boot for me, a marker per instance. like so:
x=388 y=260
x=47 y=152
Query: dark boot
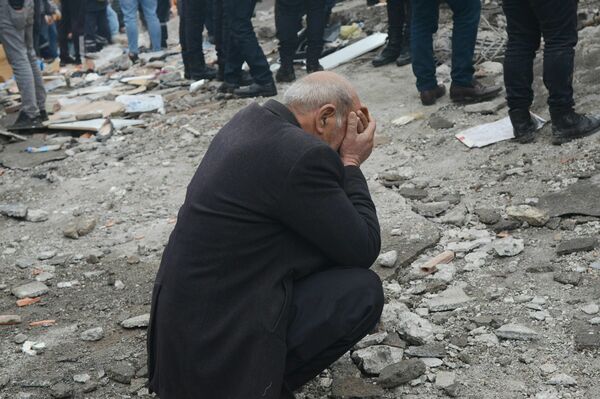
x=285 y=74
x=474 y=93
x=43 y=115
x=404 y=58
x=313 y=66
x=568 y=125
x=523 y=125
x=429 y=97
x=246 y=78
x=389 y=53
x=25 y=122
x=227 y=87
x=256 y=90
x=198 y=69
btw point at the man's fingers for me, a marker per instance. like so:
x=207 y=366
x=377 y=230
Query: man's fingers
x=352 y=124
x=370 y=130
x=364 y=121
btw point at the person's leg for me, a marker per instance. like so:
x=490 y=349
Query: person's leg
x=90 y=30
x=149 y=7
x=194 y=15
x=391 y=51
x=12 y=34
x=425 y=14
x=163 y=9
x=331 y=312
x=181 y=9
x=64 y=28
x=315 y=27
x=129 y=8
x=40 y=91
x=288 y=18
x=113 y=20
x=103 y=28
x=466 y=15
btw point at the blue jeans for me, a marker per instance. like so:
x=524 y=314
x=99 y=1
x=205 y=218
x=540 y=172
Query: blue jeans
x=113 y=20
x=425 y=15
x=130 y=9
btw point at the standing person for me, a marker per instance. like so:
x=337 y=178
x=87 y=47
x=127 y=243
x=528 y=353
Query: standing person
x=97 y=30
x=70 y=29
x=397 y=48
x=163 y=12
x=242 y=45
x=556 y=21
x=192 y=14
x=464 y=88
x=130 y=14
x=288 y=21
x=16 y=35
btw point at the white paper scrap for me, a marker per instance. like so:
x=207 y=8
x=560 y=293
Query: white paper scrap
x=490 y=133
x=354 y=50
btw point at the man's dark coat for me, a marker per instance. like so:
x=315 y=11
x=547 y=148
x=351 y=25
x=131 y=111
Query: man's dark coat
x=269 y=204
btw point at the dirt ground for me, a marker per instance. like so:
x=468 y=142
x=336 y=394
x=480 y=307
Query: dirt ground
x=132 y=185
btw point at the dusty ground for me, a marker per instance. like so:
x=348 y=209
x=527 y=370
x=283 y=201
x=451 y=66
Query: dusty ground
x=133 y=184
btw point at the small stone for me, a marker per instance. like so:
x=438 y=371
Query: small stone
x=456 y=216
x=140 y=321
x=70 y=231
x=119 y=285
x=444 y=379
x=133 y=260
x=401 y=373
x=450 y=299
x=576 y=245
x=427 y=350
x=121 y=372
x=540 y=268
x=506 y=225
x=527 y=213
x=432 y=362
x=93 y=334
x=9 y=319
x=587 y=337
x=548 y=368
x=20 y=338
x=44 y=276
x=372 y=339
x=61 y=391
x=36 y=215
x=355 y=388
x=387 y=259
x=563 y=380
x=516 y=332
x=487 y=215
x=30 y=290
x=81 y=378
x=590 y=308
x=431 y=209
x=509 y=246
x=437 y=122
x=486 y=108
x=413 y=193
x=572 y=278
x=375 y=358
x=18 y=211
x=413 y=329
x=67 y=284
x=45 y=255
x=24 y=263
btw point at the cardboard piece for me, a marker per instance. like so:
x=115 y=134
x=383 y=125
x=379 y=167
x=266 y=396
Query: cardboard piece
x=94 y=125
x=490 y=133
x=105 y=108
x=353 y=51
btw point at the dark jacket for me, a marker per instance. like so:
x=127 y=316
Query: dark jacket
x=268 y=204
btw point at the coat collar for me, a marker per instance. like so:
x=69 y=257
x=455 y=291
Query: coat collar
x=281 y=111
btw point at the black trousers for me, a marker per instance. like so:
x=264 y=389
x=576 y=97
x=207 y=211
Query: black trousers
x=72 y=22
x=399 y=13
x=331 y=312
x=527 y=22
x=96 y=24
x=288 y=21
x=191 y=24
x=163 y=11
x=241 y=43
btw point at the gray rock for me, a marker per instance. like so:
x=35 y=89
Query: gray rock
x=121 y=372
x=413 y=193
x=580 y=198
x=24 y=263
x=590 y=308
x=516 y=332
x=509 y=246
x=18 y=211
x=486 y=108
x=81 y=378
x=444 y=379
x=30 y=290
x=506 y=225
x=576 y=245
x=427 y=350
x=61 y=391
x=431 y=209
x=387 y=259
x=375 y=358
x=372 y=339
x=140 y=321
x=93 y=334
x=355 y=388
x=20 y=338
x=587 y=337
x=45 y=255
x=540 y=268
x=456 y=216
x=450 y=299
x=572 y=278
x=36 y=215
x=413 y=328
x=401 y=373
x=563 y=380
x=9 y=319
x=437 y=122
x=488 y=215
x=527 y=213
x=80 y=227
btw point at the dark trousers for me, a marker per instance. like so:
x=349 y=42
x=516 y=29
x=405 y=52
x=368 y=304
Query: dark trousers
x=398 y=12
x=191 y=25
x=288 y=21
x=425 y=15
x=331 y=312
x=163 y=11
x=242 y=44
x=96 y=24
x=72 y=21
x=527 y=21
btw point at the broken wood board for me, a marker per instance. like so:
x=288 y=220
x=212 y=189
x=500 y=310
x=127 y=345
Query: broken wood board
x=94 y=125
x=581 y=198
x=105 y=108
x=490 y=133
x=353 y=51
x=12 y=135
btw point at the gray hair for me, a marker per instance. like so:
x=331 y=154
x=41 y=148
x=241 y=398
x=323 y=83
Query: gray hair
x=307 y=95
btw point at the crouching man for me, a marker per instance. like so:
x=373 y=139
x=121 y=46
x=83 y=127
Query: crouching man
x=265 y=280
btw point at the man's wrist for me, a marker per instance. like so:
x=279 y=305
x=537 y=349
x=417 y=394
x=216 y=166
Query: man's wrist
x=351 y=162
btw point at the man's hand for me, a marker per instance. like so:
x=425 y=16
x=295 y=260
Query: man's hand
x=357 y=147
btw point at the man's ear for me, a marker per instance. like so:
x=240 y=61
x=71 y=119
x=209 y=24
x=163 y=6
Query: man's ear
x=326 y=118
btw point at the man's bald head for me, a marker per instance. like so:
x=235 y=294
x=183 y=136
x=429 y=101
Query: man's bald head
x=318 y=89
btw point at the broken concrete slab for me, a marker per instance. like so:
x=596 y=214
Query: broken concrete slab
x=401 y=373
x=18 y=211
x=30 y=290
x=580 y=198
x=14 y=156
x=516 y=332
x=527 y=213
x=353 y=388
x=582 y=244
x=450 y=299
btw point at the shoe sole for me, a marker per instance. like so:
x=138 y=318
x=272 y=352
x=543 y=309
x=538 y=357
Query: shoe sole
x=475 y=100
x=559 y=140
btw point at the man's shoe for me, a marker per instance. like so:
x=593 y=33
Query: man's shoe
x=474 y=93
x=256 y=90
x=66 y=60
x=524 y=126
x=227 y=88
x=25 y=122
x=204 y=72
x=312 y=67
x=285 y=74
x=246 y=78
x=388 y=54
x=134 y=58
x=404 y=58
x=571 y=125
x=43 y=115
x=429 y=97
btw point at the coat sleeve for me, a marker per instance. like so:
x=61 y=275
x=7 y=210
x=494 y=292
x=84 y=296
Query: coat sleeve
x=330 y=206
